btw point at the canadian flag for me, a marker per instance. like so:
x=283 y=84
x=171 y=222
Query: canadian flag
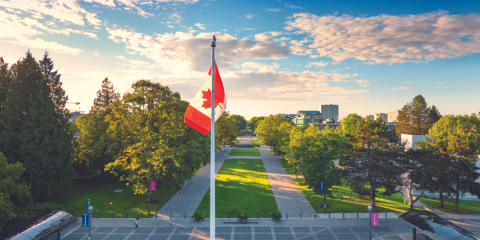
x=199 y=112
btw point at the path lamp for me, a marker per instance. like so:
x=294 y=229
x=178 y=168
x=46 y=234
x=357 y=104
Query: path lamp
x=90 y=209
x=370 y=222
x=149 y=150
x=325 y=192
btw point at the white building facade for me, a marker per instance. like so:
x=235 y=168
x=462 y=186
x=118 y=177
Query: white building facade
x=329 y=112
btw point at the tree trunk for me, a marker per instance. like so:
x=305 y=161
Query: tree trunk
x=441 y=199
x=457 y=198
x=410 y=195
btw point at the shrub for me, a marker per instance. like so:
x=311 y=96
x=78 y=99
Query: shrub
x=242 y=215
x=37 y=208
x=276 y=215
x=199 y=215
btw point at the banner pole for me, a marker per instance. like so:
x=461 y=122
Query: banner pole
x=212 y=148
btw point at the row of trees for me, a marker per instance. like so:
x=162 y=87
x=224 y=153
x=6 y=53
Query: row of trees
x=371 y=156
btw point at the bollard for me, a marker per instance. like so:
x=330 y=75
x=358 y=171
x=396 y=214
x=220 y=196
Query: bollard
x=315 y=215
x=228 y=215
x=357 y=214
x=328 y=215
x=121 y=215
x=156 y=216
x=385 y=214
x=287 y=215
x=343 y=214
x=127 y=215
x=258 y=215
x=142 y=215
x=97 y=214
x=170 y=215
x=112 y=215
x=300 y=215
x=185 y=215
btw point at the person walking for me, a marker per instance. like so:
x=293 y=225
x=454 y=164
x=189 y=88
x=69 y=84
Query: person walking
x=136 y=223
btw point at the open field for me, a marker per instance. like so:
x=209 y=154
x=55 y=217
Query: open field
x=241 y=184
x=244 y=152
x=100 y=192
x=464 y=206
x=394 y=203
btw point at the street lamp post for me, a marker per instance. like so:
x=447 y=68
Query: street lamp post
x=149 y=190
x=370 y=222
x=325 y=193
x=90 y=209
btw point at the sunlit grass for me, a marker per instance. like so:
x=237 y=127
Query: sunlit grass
x=464 y=206
x=258 y=143
x=289 y=168
x=100 y=192
x=244 y=152
x=241 y=184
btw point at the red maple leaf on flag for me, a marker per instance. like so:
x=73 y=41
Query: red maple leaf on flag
x=207 y=95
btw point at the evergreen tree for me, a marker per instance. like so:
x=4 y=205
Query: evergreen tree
x=34 y=126
x=14 y=196
x=416 y=118
x=91 y=153
x=373 y=161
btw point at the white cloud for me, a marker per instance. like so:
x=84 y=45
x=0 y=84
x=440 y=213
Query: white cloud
x=292 y=6
x=401 y=88
x=200 y=26
x=96 y=54
x=363 y=83
x=387 y=38
x=441 y=87
x=249 y=29
x=316 y=64
x=261 y=67
x=273 y=9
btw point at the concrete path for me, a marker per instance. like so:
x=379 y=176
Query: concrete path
x=187 y=199
x=287 y=195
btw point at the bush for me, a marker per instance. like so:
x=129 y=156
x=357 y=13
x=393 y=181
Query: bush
x=35 y=209
x=242 y=215
x=276 y=215
x=199 y=215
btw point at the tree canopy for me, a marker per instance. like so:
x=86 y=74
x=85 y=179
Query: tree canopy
x=274 y=130
x=34 y=127
x=350 y=122
x=253 y=122
x=416 y=117
x=239 y=121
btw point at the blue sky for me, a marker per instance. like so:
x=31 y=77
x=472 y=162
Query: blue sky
x=274 y=56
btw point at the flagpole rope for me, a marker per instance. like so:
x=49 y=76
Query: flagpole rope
x=212 y=148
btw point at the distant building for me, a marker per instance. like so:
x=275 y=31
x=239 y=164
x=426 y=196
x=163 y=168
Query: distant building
x=329 y=112
x=382 y=116
x=74 y=116
x=370 y=116
x=288 y=116
x=392 y=116
x=307 y=117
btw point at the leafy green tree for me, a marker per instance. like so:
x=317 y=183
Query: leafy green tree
x=350 y=122
x=416 y=117
x=34 y=127
x=239 y=121
x=226 y=130
x=152 y=138
x=14 y=196
x=372 y=161
x=307 y=152
x=274 y=131
x=253 y=122
x=457 y=139
x=91 y=152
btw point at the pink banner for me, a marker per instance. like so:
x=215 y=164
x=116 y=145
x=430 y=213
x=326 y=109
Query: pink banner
x=375 y=219
x=153 y=185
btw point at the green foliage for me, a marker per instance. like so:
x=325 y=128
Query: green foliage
x=275 y=131
x=276 y=215
x=242 y=215
x=92 y=146
x=350 y=122
x=372 y=161
x=313 y=153
x=244 y=152
x=14 y=196
x=34 y=128
x=35 y=209
x=253 y=122
x=226 y=130
x=240 y=121
x=416 y=117
x=456 y=140
x=199 y=215
x=150 y=139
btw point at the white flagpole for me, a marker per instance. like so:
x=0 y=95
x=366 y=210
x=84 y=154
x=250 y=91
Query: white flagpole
x=212 y=149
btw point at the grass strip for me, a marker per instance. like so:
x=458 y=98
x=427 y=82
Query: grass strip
x=241 y=184
x=244 y=152
x=464 y=206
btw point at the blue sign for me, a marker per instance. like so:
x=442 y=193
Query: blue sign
x=85 y=220
x=321 y=186
x=88 y=203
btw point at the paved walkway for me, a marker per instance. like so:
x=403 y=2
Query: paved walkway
x=187 y=199
x=287 y=195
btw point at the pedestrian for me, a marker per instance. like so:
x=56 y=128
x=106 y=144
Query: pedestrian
x=136 y=223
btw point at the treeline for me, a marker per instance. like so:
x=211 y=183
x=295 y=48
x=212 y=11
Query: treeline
x=133 y=136
x=371 y=156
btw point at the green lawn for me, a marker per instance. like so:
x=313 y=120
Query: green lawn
x=394 y=203
x=258 y=143
x=244 y=152
x=100 y=192
x=289 y=168
x=464 y=206
x=241 y=184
